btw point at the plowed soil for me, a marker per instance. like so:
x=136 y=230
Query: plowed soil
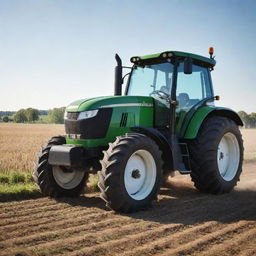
x=182 y=222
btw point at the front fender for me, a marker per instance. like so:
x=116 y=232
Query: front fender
x=194 y=124
x=161 y=141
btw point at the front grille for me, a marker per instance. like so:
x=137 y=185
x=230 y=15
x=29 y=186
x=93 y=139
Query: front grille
x=91 y=128
x=72 y=115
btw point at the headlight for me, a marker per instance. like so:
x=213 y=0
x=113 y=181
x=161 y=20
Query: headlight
x=87 y=114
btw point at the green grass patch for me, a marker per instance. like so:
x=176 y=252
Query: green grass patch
x=18 y=191
x=15 y=177
x=17 y=185
x=92 y=184
x=4 y=178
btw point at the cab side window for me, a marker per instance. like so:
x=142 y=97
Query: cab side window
x=194 y=87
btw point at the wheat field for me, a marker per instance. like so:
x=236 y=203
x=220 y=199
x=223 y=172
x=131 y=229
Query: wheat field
x=20 y=144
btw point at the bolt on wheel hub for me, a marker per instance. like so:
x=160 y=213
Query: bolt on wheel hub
x=136 y=174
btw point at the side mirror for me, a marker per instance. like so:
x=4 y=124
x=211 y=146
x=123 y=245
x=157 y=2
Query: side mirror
x=188 y=66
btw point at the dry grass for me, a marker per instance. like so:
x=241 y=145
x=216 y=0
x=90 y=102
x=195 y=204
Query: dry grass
x=249 y=137
x=20 y=144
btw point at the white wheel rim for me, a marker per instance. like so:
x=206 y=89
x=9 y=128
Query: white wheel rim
x=140 y=174
x=228 y=156
x=67 y=180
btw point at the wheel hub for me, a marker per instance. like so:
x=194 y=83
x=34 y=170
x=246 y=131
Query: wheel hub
x=136 y=174
x=67 y=179
x=140 y=174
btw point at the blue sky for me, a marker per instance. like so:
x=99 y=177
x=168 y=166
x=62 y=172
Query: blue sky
x=54 y=52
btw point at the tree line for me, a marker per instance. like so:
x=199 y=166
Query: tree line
x=32 y=115
x=249 y=120
x=56 y=116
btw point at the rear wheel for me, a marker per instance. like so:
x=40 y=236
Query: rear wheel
x=217 y=156
x=131 y=173
x=57 y=181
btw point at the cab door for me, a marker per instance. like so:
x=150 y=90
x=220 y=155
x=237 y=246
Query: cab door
x=191 y=90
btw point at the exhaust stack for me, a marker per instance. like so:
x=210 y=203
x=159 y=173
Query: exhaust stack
x=118 y=76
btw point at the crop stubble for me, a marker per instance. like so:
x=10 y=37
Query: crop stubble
x=182 y=222
x=20 y=144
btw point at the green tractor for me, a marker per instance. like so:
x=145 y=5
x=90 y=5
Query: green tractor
x=165 y=121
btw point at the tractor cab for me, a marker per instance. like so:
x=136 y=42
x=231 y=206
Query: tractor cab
x=178 y=78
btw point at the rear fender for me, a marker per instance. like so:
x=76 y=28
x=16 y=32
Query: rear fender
x=196 y=121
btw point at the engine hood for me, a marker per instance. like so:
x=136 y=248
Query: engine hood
x=109 y=102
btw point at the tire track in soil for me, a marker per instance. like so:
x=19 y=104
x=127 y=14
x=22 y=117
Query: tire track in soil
x=225 y=218
x=128 y=242
x=165 y=214
x=79 y=245
x=26 y=204
x=32 y=203
x=145 y=213
x=87 y=239
x=74 y=219
x=80 y=226
x=61 y=225
x=190 y=247
x=36 y=210
x=232 y=244
x=92 y=218
x=160 y=244
x=42 y=214
x=250 y=251
x=62 y=212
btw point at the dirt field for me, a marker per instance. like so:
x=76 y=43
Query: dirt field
x=182 y=222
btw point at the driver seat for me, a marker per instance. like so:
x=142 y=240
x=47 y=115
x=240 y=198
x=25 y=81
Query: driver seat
x=183 y=100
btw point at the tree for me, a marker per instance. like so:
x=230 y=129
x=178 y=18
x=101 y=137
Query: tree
x=252 y=118
x=32 y=114
x=20 y=116
x=6 y=119
x=56 y=115
x=245 y=118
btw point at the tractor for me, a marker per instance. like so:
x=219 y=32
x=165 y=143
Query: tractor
x=164 y=120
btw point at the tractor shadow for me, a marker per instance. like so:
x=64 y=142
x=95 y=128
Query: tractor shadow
x=91 y=200
x=182 y=203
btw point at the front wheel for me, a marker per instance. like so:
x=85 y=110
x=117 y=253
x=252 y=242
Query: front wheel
x=57 y=181
x=131 y=173
x=216 y=156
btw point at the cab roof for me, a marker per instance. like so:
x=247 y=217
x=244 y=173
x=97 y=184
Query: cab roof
x=161 y=57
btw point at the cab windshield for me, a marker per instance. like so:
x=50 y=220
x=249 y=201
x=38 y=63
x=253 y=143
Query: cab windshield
x=147 y=80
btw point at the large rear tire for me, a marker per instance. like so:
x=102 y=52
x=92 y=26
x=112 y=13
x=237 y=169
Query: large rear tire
x=131 y=173
x=216 y=156
x=58 y=181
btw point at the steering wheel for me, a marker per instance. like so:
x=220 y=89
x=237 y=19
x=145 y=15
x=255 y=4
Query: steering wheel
x=160 y=93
